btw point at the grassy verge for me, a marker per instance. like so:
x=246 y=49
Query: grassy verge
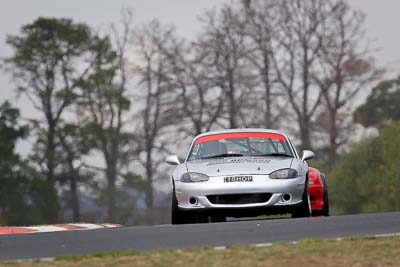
x=383 y=251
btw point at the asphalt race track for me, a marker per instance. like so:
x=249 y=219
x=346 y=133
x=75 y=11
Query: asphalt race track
x=43 y=245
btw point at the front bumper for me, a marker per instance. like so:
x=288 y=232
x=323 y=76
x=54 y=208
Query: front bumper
x=196 y=196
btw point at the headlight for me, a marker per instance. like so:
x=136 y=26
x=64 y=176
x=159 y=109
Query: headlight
x=284 y=174
x=193 y=177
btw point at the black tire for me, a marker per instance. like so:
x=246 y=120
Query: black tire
x=217 y=219
x=304 y=209
x=199 y=218
x=178 y=216
x=325 y=210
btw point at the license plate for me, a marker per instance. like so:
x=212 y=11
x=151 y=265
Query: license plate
x=233 y=179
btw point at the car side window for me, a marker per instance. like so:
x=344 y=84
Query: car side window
x=195 y=154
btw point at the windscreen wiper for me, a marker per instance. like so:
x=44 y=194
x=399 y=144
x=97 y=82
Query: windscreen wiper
x=274 y=155
x=223 y=156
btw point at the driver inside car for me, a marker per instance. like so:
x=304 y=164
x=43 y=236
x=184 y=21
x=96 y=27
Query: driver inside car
x=213 y=148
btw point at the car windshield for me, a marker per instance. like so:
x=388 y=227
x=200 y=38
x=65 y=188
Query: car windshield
x=240 y=144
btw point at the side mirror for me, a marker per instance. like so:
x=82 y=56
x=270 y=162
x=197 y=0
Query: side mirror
x=307 y=154
x=172 y=160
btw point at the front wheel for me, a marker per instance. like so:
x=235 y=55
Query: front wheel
x=178 y=216
x=304 y=210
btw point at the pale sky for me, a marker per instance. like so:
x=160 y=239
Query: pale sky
x=96 y=13
x=382 y=23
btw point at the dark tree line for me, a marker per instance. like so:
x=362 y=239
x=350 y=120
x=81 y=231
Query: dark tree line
x=24 y=196
x=112 y=105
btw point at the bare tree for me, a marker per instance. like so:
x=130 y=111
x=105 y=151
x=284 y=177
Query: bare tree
x=261 y=24
x=104 y=106
x=301 y=23
x=347 y=67
x=201 y=101
x=157 y=95
x=223 y=41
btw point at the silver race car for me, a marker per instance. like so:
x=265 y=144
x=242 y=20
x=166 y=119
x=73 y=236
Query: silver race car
x=239 y=173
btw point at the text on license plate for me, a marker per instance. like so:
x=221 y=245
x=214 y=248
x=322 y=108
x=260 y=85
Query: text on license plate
x=231 y=179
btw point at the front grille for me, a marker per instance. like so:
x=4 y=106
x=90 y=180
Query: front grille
x=239 y=198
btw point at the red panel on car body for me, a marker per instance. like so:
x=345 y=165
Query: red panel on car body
x=316 y=189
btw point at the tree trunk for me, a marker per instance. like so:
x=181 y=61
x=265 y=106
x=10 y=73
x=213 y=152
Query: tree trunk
x=50 y=161
x=232 y=102
x=333 y=135
x=149 y=177
x=111 y=178
x=304 y=126
x=50 y=164
x=267 y=95
x=149 y=191
x=74 y=198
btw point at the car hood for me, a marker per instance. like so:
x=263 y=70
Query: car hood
x=238 y=165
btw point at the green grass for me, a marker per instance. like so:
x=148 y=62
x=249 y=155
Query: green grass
x=354 y=251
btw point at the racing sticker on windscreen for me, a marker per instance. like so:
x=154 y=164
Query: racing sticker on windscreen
x=233 y=161
x=232 y=179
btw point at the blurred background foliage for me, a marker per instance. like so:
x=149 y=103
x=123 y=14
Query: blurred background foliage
x=367 y=177
x=25 y=196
